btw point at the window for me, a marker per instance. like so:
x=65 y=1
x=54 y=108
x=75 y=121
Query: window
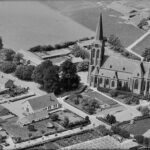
x=136 y=84
x=110 y=66
x=113 y=83
x=138 y=74
x=143 y=85
x=97 y=54
x=147 y=86
x=123 y=68
x=106 y=81
x=100 y=80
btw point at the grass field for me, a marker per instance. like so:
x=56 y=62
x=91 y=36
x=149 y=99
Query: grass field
x=29 y=23
x=138 y=128
x=140 y=47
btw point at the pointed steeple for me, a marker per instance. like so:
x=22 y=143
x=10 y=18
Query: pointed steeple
x=99 y=31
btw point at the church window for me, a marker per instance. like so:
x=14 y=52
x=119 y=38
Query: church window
x=106 y=81
x=93 y=53
x=123 y=68
x=100 y=80
x=97 y=55
x=147 y=86
x=113 y=83
x=143 y=85
x=136 y=84
x=110 y=66
x=138 y=74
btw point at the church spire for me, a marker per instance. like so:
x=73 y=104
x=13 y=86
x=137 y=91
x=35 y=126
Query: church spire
x=99 y=31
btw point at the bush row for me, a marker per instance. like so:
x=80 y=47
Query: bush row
x=41 y=48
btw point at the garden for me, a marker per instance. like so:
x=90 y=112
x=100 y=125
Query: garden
x=84 y=136
x=34 y=130
x=68 y=119
x=125 y=96
x=90 y=102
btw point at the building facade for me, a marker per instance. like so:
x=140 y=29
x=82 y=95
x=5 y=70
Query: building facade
x=116 y=71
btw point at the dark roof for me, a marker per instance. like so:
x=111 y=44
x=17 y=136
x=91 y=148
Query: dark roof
x=43 y=101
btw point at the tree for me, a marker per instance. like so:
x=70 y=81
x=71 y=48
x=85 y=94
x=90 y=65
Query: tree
x=139 y=138
x=87 y=119
x=111 y=119
x=115 y=43
x=146 y=54
x=77 y=51
x=8 y=67
x=113 y=93
x=66 y=122
x=1 y=43
x=54 y=117
x=40 y=70
x=83 y=66
x=69 y=79
x=31 y=128
x=9 y=54
x=17 y=58
x=24 y=72
x=51 y=79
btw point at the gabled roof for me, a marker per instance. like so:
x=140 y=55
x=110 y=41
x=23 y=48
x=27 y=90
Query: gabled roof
x=43 y=101
x=34 y=117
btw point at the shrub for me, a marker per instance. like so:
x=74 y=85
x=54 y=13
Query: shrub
x=31 y=128
x=113 y=93
x=120 y=132
x=54 y=117
x=8 y=67
x=111 y=119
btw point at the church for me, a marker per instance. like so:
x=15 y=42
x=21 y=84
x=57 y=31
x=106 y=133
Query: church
x=116 y=71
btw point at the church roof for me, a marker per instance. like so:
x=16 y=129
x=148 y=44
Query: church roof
x=125 y=68
x=99 y=30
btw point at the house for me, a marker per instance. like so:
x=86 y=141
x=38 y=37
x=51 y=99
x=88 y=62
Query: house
x=116 y=71
x=38 y=108
x=47 y=102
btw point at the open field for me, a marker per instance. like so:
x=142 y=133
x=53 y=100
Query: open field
x=138 y=128
x=140 y=47
x=29 y=23
x=87 y=13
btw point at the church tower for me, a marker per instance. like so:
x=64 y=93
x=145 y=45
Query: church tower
x=97 y=50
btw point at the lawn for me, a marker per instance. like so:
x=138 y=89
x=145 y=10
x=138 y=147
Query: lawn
x=140 y=47
x=139 y=127
x=15 y=130
x=102 y=99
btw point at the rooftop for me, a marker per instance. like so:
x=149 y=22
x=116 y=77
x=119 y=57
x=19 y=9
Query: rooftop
x=56 y=53
x=43 y=101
